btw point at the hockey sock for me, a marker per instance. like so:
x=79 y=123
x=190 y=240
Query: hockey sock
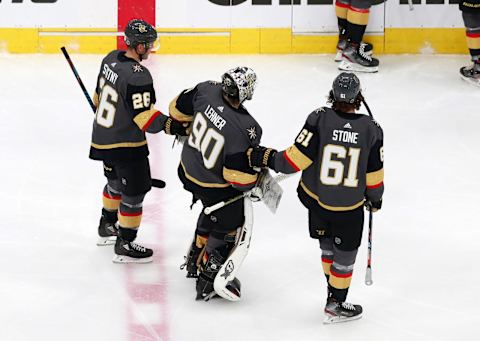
x=341 y=10
x=357 y=23
x=111 y=202
x=130 y=216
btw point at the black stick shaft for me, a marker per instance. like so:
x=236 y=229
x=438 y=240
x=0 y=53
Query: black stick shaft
x=77 y=76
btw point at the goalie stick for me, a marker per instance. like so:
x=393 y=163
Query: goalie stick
x=155 y=182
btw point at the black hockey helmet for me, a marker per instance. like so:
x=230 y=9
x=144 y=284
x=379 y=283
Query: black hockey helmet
x=139 y=32
x=346 y=87
x=239 y=83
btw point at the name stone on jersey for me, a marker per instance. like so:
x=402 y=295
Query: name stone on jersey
x=345 y=136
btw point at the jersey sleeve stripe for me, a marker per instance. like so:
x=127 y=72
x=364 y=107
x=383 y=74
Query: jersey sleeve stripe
x=177 y=114
x=296 y=158
x=375 y=179
x=145 y=118
x=239 y=178
x=380 y=184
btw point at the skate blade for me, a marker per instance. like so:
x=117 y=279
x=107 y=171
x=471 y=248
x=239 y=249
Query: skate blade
x=128 y=260
x=104 y=241
x=340 y=319
x=473 y=81
x=348 y=66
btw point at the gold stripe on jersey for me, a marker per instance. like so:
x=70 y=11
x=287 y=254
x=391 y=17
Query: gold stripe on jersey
x=145 y=117
x=237 y=177
x=129 y=222
x=177 y=114
x=298 y=158
x=473 y=42
x=201 y=183
x=374 y=178
x=339 y=282
x=95 y=100
x=119 y=145
x=328 y=207
x=358 y=16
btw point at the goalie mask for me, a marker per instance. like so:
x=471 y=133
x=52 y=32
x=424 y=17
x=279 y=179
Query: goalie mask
x=239 y=83
x=140 y=32
x=346 y=87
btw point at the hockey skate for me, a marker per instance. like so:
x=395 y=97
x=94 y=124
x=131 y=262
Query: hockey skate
x=342 y=44
x=130 y=252
x=354 y=58
x=336 y=312
x=471 y=74
x=107 y=233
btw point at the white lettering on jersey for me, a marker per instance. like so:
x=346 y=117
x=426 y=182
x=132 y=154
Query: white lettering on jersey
x=345 y=136
x=109 y=74
x=217 y=120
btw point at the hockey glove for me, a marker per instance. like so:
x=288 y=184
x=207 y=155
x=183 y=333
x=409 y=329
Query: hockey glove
x=259 y=156
x=174 y=127
x=373 y=206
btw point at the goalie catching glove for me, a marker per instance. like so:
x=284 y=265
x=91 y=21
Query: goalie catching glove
x=259 y=156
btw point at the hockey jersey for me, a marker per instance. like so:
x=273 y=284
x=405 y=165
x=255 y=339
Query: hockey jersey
x=472 y=6
x=213 y=155
x=125 y=98
x=341 y=159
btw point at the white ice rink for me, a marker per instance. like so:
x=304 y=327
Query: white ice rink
x=56 y=284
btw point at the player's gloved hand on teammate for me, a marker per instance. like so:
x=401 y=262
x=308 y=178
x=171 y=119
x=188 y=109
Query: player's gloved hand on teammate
x=373 y=206
x=174 y=127
x=260 y=156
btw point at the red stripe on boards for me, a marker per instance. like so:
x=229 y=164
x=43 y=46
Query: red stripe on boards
x=134 y=9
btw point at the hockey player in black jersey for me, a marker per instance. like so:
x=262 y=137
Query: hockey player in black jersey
x=340 y=154
x=471 y=17
x=214 y=167
x=125 y=98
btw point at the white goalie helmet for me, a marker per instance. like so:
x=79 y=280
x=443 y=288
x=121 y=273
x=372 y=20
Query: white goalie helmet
x=239 y=82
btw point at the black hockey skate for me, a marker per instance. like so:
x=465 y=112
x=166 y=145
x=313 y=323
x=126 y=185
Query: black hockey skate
x=342 y=44
x=471 y=74
x=107 y=232
x=336 y=312
x=130 y=252
x=355 y=59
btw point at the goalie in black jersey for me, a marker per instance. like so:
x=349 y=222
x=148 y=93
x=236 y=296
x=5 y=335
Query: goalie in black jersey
x=214 y=167
x=125 y=98
x=340 y=154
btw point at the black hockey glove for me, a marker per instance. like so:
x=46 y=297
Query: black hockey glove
x=174 y=127
x=259 y=156
x=373 y=206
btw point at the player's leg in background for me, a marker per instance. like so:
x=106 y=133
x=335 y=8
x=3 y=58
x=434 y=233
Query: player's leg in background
x=136 y=182
x=357 y=56
x=346 y=234
x=341 y=9
x=318 y=228
x=111 y=196
x=471 y=73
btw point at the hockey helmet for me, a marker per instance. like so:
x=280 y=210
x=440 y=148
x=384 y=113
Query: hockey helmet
x=139 y=32
x=346 y=87
x=239 y=83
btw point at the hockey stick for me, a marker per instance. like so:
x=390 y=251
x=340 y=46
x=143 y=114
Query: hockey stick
x=368 y=273
x=208 y=210
x=155 y=182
